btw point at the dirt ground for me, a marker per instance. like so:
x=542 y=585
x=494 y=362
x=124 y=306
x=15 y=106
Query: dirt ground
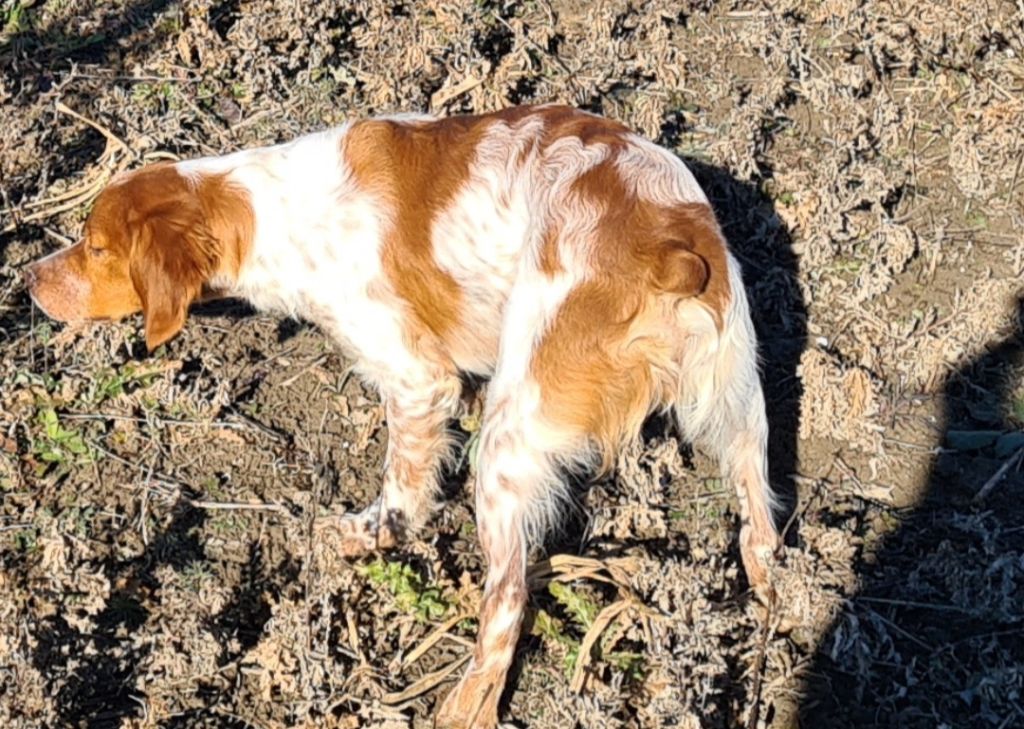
x=158 y=565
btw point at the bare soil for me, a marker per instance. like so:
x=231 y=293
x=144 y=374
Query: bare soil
x=158 y=562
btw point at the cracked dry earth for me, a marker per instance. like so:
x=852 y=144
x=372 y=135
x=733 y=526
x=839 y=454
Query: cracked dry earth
x=158 y=561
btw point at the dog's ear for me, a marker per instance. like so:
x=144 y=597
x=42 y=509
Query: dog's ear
x=173 y=257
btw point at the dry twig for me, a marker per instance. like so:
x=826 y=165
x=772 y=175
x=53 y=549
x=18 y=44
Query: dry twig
x=991 y=484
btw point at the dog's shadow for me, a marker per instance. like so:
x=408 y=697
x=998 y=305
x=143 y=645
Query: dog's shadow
x=935 y=636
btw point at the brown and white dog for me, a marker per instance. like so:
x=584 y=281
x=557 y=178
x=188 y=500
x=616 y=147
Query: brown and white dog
x=575 y=264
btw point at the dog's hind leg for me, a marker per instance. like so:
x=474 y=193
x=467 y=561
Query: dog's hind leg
x=569 y=388
x=721 y=407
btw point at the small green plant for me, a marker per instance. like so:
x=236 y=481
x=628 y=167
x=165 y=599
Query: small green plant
x=581 y=608
x=108 y=386
x=844 y=264
x=142 y=92
x=195 y=574
x=978 y=219
x=78 y=519
x=582 y=611
x=161 y=95
x=44 y=332
x=552 y=630
x=628 y=663
x=212 y=488
x=27 y=540
x=58 y=445
x=110 y=382
x=229 y=524
x=410 y=593
x=47 y=381
x=15 y=20
x=252 y=409
x=168 y=25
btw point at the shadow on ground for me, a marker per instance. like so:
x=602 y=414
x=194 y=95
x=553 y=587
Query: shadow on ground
x=102 y=664
x=944 y=591
x=100 y=691
x=39 y=54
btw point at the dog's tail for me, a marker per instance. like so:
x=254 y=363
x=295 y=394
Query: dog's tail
x=719 y=405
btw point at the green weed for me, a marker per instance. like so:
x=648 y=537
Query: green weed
x=112 y=383
x=157 y=96
x=410 y=593
x=978 y=219
x=59 y=446
x=212 y=488
x=15 y=20
x=582 y=610
x=229 y=524
x=46 y=381
x=77 y=520
x=168 y=25
x=27 y=540
x=631 y=664
x=44 y=332
x=553 y=630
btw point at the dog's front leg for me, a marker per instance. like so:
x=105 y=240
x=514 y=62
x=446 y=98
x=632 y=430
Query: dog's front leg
x=417 y=414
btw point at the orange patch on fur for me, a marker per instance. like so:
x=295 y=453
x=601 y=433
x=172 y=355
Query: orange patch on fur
x=645 y=256
x=418 y=168
x=592 y=384
x=230 y=217
x=565 y=121
x=675 y=249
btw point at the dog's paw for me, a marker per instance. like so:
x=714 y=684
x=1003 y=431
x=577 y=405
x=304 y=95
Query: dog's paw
x=759 y=553
x=356 y=535
x=472 y=704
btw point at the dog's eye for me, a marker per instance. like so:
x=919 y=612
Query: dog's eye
x=97 y=252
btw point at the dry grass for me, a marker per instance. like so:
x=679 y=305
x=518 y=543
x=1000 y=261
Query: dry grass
x=158 y=561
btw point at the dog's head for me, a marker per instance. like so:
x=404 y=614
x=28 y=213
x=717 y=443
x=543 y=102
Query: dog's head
x=151 y=242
